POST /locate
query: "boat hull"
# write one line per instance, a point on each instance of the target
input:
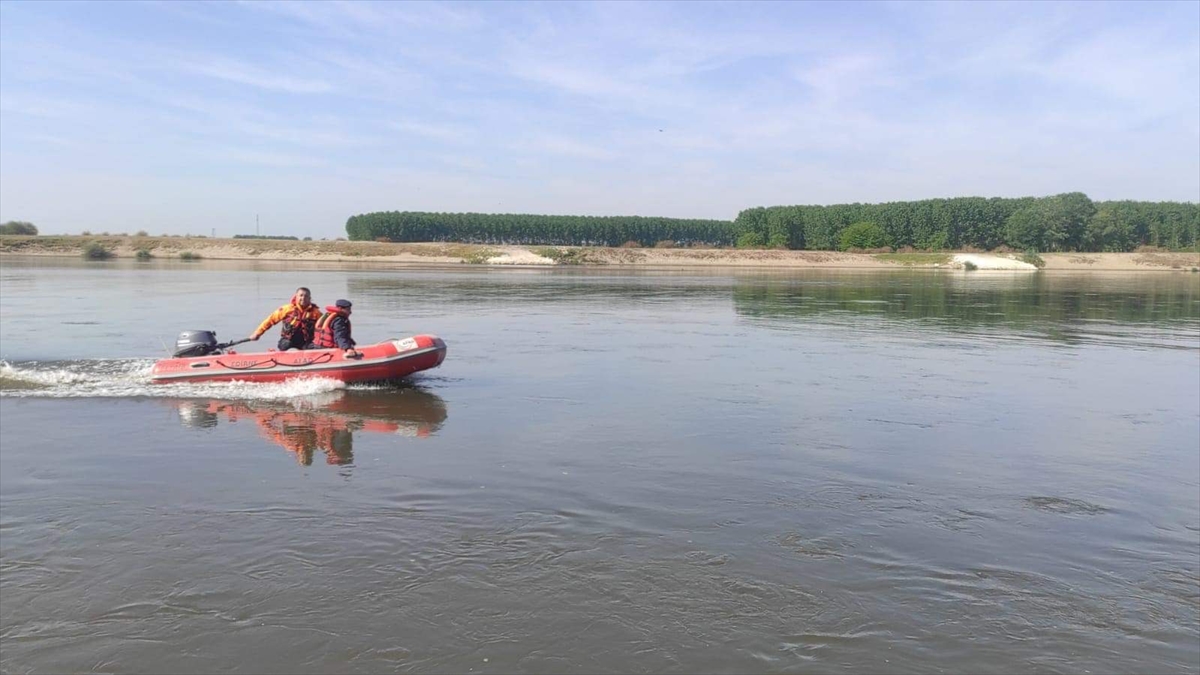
(387, 360)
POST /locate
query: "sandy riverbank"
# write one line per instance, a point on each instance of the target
(454, 254)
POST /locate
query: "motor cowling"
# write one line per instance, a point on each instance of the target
(195, 343)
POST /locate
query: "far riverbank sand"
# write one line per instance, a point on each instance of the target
(452, 254)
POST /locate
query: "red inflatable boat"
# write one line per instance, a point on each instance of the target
(198, 358)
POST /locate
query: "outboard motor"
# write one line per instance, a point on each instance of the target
(195, 343)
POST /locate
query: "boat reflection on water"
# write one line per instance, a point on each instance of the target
(325, 422)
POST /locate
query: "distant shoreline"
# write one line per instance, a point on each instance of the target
(448, 254)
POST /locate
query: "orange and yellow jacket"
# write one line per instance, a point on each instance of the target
(293, 317)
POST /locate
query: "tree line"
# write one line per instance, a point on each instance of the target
(1066, 222)
(483, 228)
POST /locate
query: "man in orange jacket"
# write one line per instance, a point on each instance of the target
(299, 319)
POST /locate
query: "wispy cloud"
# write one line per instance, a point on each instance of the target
(260, 158)
(449, 133)
(563, 146)
(241, 73)
(34, 105)
(835, 79)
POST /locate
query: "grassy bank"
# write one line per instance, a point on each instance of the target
(100, 248)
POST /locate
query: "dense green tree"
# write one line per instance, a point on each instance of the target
(1109, 231)
(779, 229)
(750, 228)
(1064, 220)
(18, 227)
(751, 239)
(1023, 229)
(863, 236)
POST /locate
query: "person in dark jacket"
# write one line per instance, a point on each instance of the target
(333, 329)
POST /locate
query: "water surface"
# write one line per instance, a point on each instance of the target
(612, 472)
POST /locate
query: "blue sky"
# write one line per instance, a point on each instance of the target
(180, 118)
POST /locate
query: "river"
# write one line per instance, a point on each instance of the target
(613, 471)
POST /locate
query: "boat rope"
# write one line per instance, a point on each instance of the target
(324, 358)
(252, 366)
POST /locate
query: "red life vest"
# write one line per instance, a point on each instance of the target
(324, 339)
(297, 320)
